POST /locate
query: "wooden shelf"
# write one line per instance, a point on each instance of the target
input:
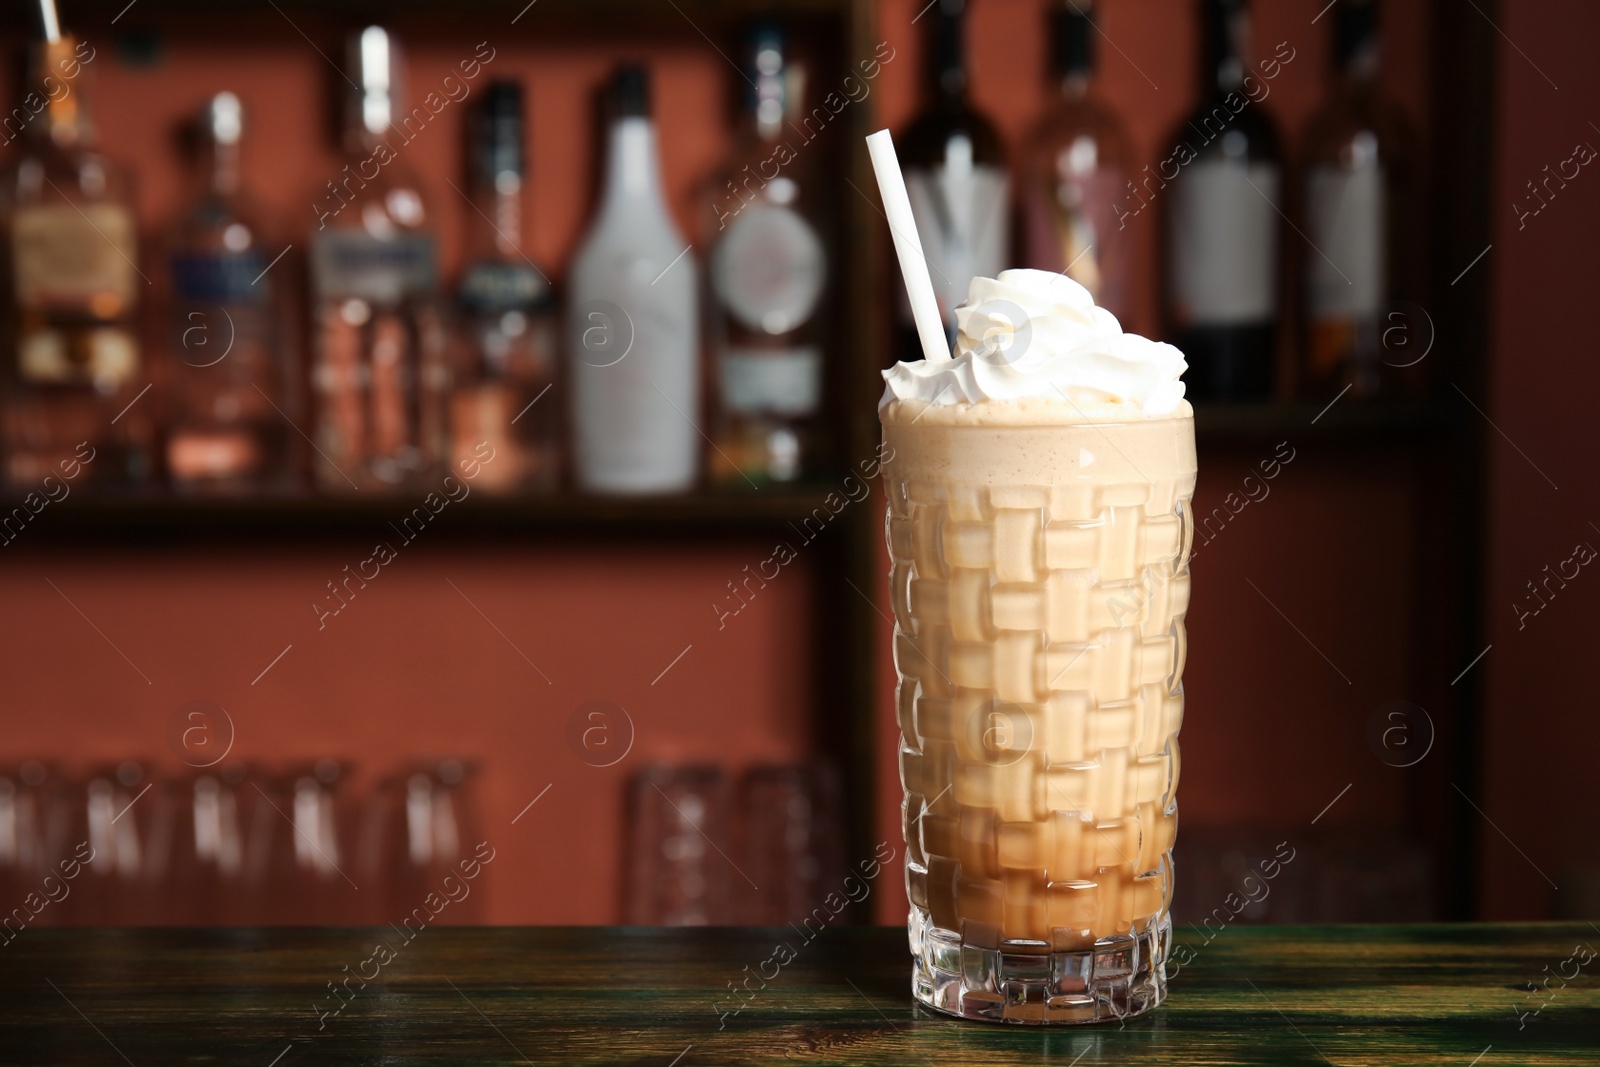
(162, 515)
(1355, 420)
(627, 19)
(160, 518)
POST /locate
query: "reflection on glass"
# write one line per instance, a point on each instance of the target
(678, 866)
(422, 828)
(793, 841)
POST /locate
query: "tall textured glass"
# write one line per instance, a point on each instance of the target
(1039, 582)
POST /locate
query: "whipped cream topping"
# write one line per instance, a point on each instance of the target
(1031, 333)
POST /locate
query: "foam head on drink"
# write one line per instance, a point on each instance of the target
(1039, 488)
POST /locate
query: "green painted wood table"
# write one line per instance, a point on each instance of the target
(1345, 996)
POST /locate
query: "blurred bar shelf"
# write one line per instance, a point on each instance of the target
(162, 515)
(1355, 421)
(642, 17)
(160, 518)
(1443, 434)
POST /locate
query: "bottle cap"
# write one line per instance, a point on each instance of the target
(630, 92)
(51, 56)
(768, 43)
(223, 119)
(49, 22)
(1226, 29)
(497, 143)
(948, 60)
(1072, 37)
(1355, 28)
(375, 70)
(767, 74)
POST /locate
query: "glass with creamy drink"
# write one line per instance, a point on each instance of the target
(1039, 525)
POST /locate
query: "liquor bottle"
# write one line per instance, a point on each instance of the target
(502, 401)
(1223, 224)
(633, 320)
(72, 366)
(227, 376)
(1355, 197)
(956, 178)
(769, 270)
(1078, 169)
(379, 375)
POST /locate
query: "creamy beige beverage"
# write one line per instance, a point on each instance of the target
(1039, 525)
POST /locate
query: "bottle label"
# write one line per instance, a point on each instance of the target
(634, 344)
(219, 278)
(1345, 222)
(1224, 258)
(72, 255)
(196, 455)
(769, 269)
(492, 288)
(353, 263)
(963, 218)
(106, 356)
(772, 381)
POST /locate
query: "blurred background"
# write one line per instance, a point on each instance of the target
(439, 450)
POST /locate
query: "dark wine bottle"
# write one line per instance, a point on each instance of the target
(508, 323)
(956, 177)
(1223, 221)
(1356, 187)
(1078, 165)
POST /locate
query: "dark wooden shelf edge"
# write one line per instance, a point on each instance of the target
(167, 518)
(1352, 419)
(164, 515)
(629, 17)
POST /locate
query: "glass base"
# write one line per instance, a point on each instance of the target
(1028, 983)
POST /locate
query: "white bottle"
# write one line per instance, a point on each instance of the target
(633, 322)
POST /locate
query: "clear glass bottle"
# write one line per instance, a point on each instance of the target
(379, 375)
(1356, 205)
(769, 273)
(73, 285)
(1077, 171)
(956, 177)
(508, 324)
(1223, 223)
(227, 377)
(633, 321)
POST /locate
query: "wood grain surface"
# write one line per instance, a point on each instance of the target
(1345, 996)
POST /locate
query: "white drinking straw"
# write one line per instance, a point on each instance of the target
(913, 265)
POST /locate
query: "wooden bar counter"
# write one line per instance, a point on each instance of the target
(1345, 996)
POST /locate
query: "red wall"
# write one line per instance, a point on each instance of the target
(411, 668)
(1542, 730)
